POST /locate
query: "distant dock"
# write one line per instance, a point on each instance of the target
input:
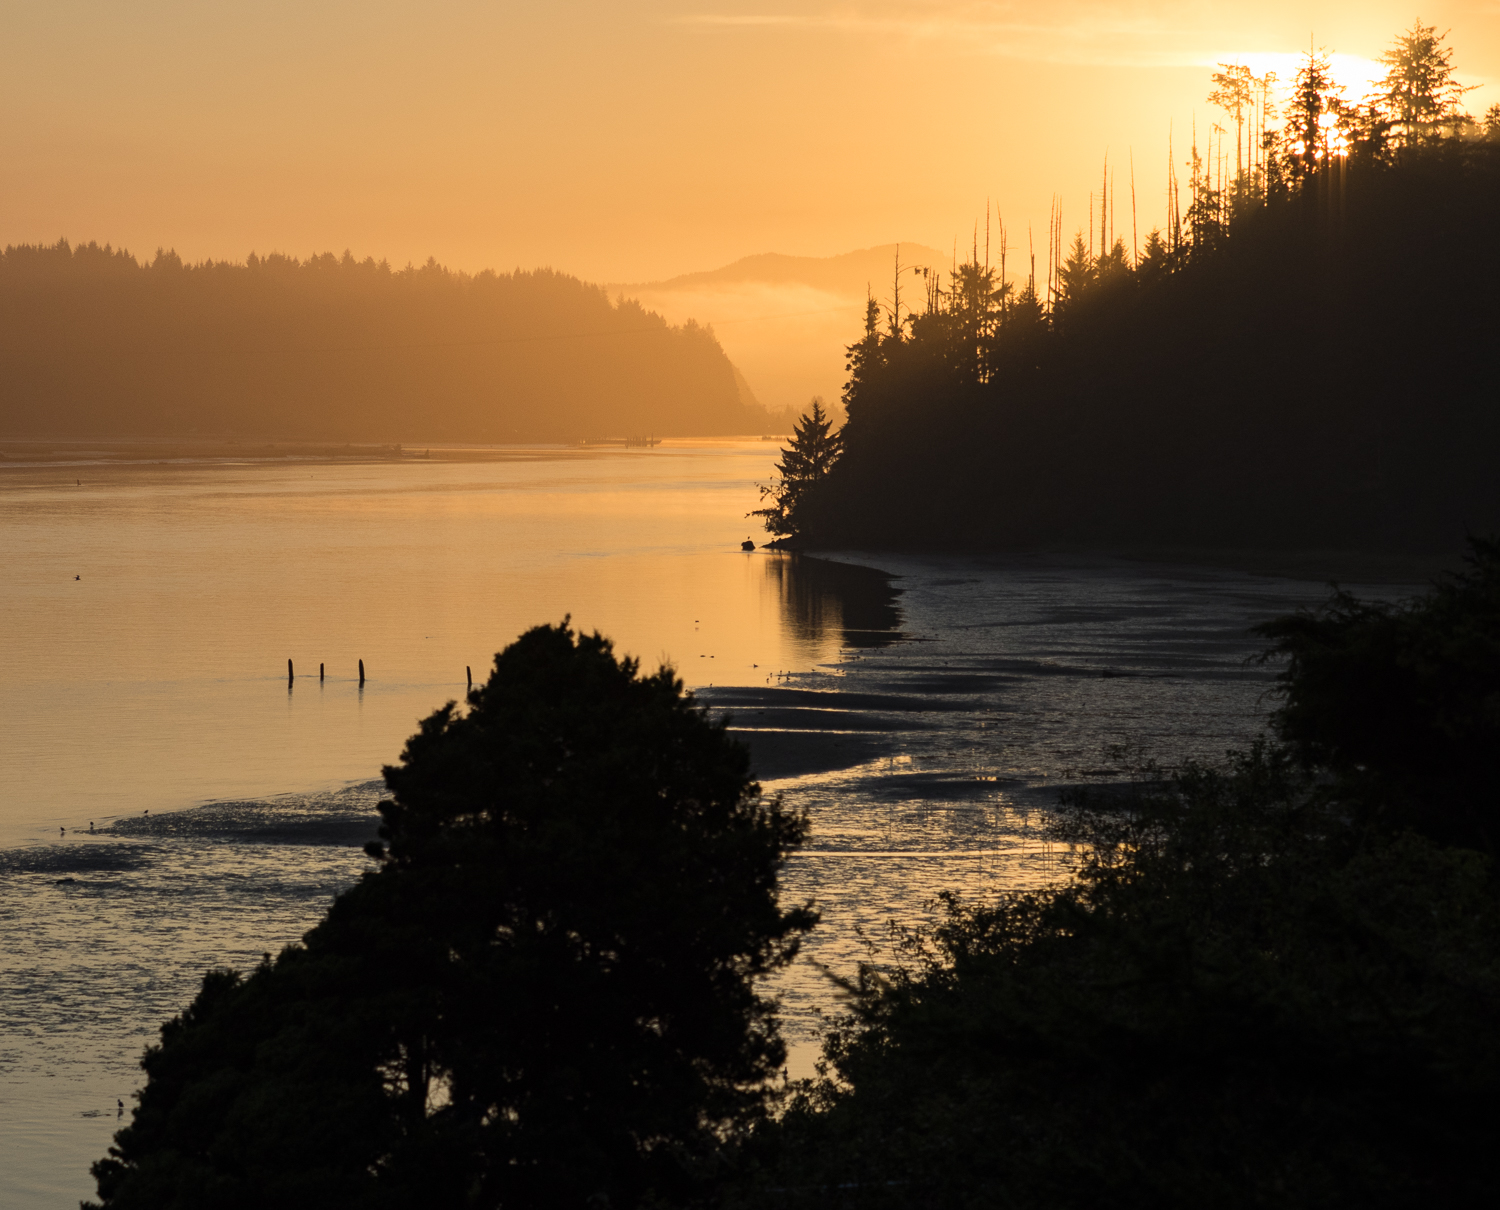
(628, 442)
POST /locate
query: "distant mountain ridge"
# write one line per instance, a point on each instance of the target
(842, 274)
(787, 320)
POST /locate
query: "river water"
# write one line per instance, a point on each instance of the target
(925, 716)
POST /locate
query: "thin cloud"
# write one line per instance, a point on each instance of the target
(1081, 34)
(1084, 33)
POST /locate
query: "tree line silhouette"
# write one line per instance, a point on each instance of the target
(1301, 359)
(96, 343)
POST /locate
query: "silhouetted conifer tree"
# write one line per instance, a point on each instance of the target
(804, 465)
(1317, 119)
(1075, 278)
(1419, 92)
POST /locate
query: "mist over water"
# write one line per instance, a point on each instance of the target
(925, 716)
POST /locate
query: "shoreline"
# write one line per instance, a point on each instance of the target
(1310, 565)
(1374, 568)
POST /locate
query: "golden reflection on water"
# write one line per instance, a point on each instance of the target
(822, 601)
(158, 678)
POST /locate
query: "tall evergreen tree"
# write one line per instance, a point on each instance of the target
(1075, 277)
(1419, 91)
(803, 466)
(1317, 118)
(1234, 94)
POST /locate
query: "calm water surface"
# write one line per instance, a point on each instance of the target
(926, 729)
(149, 613)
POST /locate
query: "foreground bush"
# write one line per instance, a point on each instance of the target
(1242, 1001)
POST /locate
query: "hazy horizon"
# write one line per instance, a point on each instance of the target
(644, 141)
(783, 322)
(627, 142)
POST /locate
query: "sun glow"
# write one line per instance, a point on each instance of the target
(1356, 75)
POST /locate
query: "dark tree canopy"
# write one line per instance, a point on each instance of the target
(543, 996)
(1298, 361)
(1402, 702)
(1238, 1004)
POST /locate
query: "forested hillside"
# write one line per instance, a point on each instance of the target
(1304, 359)
(94, 343)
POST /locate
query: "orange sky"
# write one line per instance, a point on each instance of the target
(623, 141)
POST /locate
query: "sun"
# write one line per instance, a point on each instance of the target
(1357, 75)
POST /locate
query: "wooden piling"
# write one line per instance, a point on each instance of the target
(469, 673)
(289, 670)
(320, 672)
(361, 672)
